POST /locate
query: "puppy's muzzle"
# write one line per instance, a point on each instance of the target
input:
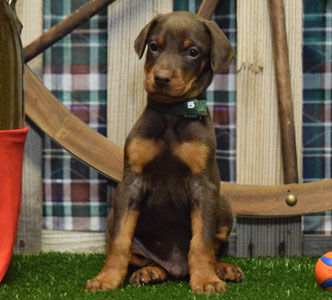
(162, 78)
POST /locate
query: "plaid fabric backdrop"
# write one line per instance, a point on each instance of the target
(75, 72)
(317, 103)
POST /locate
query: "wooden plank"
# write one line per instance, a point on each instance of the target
(126, 95)
(30, 224)
(231, 249)
(316, 244)
(255, 200)
(73, 241)
(313, 244)
(28, 239)
(268, 236)
(259, 159)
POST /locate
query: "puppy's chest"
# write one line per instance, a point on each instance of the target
(167, 154)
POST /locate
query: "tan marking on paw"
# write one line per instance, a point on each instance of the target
(208, 286)
(148, 275)
(103, 282)
(229, 272)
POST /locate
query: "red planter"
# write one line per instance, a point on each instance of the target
(11, 160)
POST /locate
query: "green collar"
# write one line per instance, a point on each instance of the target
(189, 109)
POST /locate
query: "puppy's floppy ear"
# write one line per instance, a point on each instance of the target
(142, 38)
(221, 49)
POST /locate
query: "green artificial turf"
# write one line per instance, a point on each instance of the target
(62, 276)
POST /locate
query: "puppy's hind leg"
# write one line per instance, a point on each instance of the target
(225, 271)
(224, 227)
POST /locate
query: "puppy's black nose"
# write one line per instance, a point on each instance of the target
(162, 78)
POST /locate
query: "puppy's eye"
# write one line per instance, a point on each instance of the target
(153, 47)
(192, 52)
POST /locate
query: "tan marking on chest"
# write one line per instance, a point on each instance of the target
(194, 154)
(141, 151)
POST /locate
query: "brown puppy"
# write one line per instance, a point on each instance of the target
(168, 217)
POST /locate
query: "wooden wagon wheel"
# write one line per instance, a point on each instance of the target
(98, 152)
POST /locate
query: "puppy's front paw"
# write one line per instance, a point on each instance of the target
(148, 275)
(229, 272)
(102, 282)
(206, 286)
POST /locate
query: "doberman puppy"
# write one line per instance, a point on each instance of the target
(168, 217)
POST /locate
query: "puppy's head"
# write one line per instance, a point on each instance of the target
(183, 52)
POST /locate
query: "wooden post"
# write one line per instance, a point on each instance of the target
(30, 226)
(57, 32)
(283, 78)
(207, 8)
